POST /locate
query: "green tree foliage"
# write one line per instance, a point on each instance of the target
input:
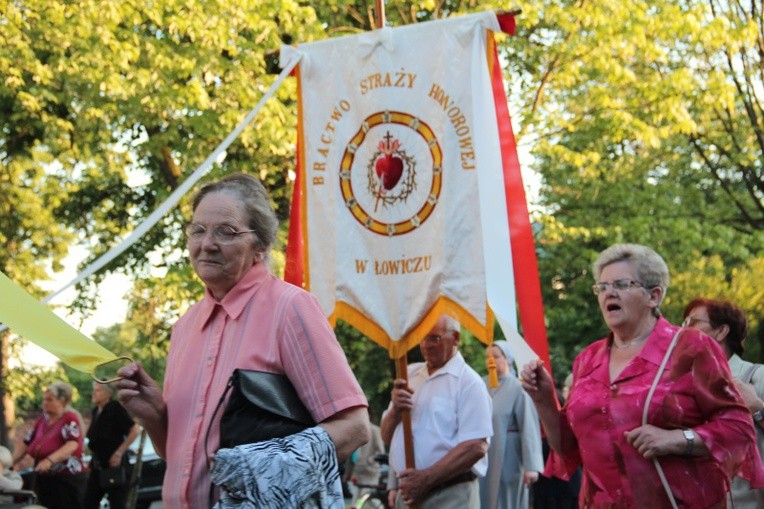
(28, 384)
(107, 107)
(644, 120)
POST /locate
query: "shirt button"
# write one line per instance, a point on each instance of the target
(604, 410)
(613, 387)
(619, 492)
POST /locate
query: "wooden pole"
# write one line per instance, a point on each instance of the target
(401, 363)
(402, 371)
(379, 11)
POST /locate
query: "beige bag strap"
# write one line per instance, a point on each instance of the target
(658, 375)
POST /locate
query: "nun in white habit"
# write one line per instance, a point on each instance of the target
(514, 456)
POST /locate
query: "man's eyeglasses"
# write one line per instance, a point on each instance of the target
(435, 338)
(222, 233)
(618, 284)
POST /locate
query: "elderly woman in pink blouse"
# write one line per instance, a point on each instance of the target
(248, 319)
(653, 416)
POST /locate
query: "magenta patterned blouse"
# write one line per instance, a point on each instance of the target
(44, 439)
(696, 391)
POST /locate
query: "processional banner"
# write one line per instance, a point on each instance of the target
(409, 201)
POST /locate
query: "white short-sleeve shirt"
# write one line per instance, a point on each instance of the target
(450, 406)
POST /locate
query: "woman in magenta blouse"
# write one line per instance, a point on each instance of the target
(55, 443)
(696, 432)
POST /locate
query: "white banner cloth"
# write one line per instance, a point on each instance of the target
(404, 213)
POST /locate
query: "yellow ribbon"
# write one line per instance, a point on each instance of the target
(493, 377)
(29, 318)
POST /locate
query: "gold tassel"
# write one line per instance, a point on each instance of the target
(493, 378)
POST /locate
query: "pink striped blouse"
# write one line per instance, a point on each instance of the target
(262, 323)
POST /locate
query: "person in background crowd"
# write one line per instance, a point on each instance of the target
(55, 444)
(697, 432)
(726, 323)
(9, 480)
(514, 457)
(110, 433)
(451, 425)
(248, 319)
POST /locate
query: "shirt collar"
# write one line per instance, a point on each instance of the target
(235, 299)
(653, 351)
(656, 345)
(453, 367)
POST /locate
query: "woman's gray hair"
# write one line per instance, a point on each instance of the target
(62, 391)
(261, 217)
(651, 269)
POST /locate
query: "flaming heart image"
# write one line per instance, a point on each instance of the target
(389, 167)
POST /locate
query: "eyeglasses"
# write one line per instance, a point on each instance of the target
(618, 284)
(434, 338)
(222, 233)
(692, 321)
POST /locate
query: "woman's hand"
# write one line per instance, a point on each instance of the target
(139, 393)
(44, 466)
(750, 397)
(653, 442)
(115, 459)
(142, 398)
(538, 383)
(530, 477)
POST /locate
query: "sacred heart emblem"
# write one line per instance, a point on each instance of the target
(391, 173)
(389, 169)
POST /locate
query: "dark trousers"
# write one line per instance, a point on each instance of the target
(60, 491)
(94, 493)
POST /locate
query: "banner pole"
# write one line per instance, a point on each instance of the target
(401, 363)
(402, 371)
(379, 10)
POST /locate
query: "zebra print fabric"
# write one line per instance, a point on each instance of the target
(299, 471)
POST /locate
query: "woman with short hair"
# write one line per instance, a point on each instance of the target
(55, 444)
(651, 405)
(727, 325)
(248, 319)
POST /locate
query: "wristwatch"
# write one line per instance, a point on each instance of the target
(690, 437)
(758, 416)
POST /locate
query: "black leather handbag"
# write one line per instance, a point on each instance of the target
(262, 406)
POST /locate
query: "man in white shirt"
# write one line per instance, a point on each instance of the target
(451, 425)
